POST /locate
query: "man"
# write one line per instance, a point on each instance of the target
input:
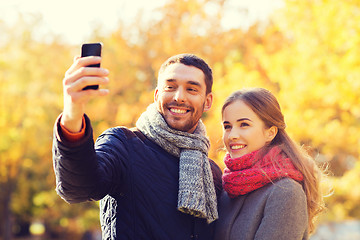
(156, 182)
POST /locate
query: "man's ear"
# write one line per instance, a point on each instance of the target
(208, 102)
(156, 94)
(271, 133)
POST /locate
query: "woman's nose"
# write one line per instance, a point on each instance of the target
(234, 134)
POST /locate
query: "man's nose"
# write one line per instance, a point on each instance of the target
(179, 95)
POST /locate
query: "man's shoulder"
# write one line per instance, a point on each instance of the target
(217, 176)
(214, 167)
(123, 132)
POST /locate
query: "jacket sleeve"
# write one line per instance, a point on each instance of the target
(85, 171)
(285, 214)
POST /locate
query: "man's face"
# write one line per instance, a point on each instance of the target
(181, 96)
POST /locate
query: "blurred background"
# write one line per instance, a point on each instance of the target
(306, 52)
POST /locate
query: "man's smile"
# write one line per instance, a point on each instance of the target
(178, 110)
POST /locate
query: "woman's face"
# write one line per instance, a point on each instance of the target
(244, 132)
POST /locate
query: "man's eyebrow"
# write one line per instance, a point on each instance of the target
(188, 82)
(194, 83)
(170, 80)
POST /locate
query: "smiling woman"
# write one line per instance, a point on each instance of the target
(272, 187)
(244, 131)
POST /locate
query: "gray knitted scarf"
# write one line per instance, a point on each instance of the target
(196, 194)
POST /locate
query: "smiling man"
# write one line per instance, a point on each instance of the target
(182, 95)
(155, 182)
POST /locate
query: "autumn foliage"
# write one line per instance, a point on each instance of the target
(307, 55)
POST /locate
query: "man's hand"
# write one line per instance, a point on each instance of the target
(76, 78)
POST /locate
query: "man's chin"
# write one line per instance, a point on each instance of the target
(181, 127)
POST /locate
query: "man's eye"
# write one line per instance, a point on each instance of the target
(169, 87)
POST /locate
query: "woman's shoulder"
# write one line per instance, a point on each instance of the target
(287, 185)
(285, 189)
(288, 192)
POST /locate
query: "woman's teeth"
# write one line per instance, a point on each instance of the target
(236, 147)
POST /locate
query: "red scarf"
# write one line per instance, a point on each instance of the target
(246, 174)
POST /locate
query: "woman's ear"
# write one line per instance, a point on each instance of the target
(271, 133)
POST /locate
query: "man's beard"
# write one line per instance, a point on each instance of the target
(187, 124)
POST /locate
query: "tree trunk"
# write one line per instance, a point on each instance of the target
(7, 219)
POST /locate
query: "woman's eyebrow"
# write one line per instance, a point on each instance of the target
(243, 119)
(238, 120)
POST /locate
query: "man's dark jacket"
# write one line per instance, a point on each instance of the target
(136, 180)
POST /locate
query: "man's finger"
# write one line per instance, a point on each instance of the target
(80, 62)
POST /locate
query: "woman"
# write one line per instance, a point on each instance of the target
(271, 185)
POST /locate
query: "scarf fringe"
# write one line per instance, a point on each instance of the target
(195, 204)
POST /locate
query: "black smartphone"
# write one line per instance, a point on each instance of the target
(91, 49)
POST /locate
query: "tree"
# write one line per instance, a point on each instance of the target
(31, 73)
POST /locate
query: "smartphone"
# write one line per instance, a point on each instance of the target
(91, 49)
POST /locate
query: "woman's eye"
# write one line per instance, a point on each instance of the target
(227, 127)
(244, 124)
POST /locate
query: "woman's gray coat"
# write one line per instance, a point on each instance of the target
(277, 211)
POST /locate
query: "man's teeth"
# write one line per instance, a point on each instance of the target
(176, 110)
(235, 147)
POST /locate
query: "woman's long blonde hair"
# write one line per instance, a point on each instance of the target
(265, 105)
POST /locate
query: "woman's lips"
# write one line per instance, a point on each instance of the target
(237, 146)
